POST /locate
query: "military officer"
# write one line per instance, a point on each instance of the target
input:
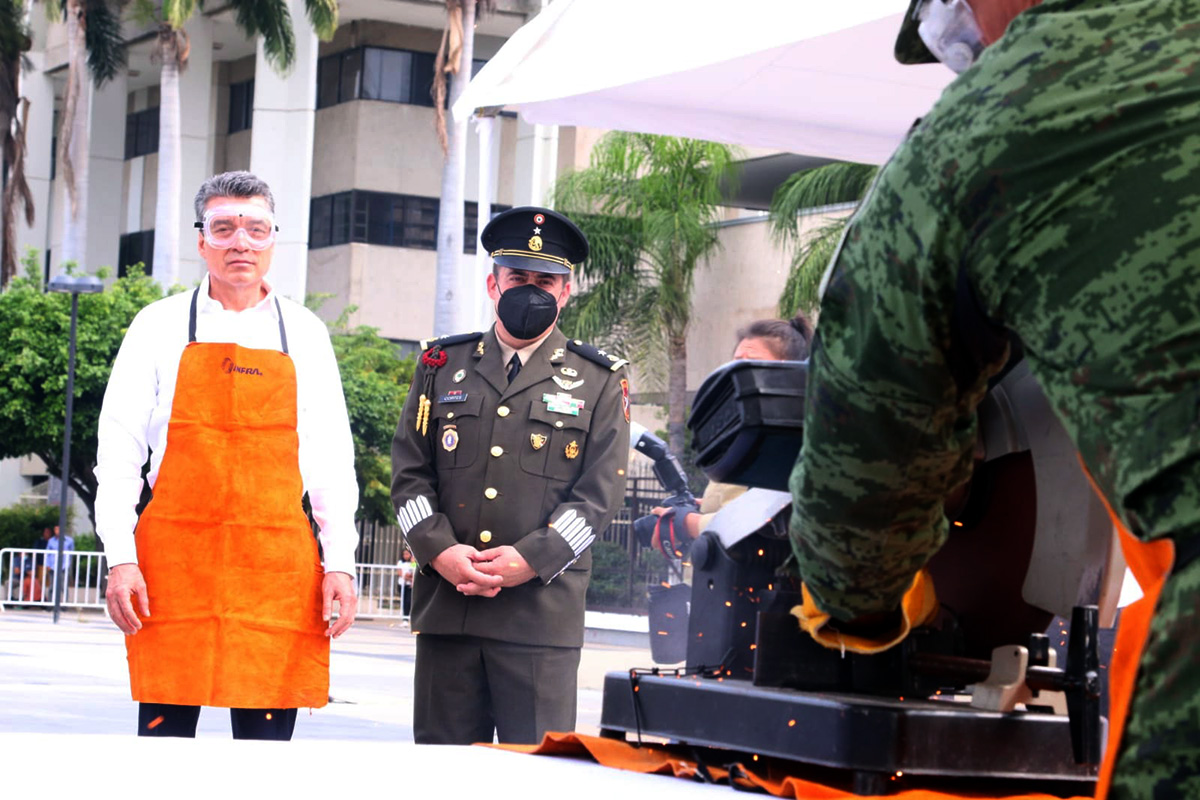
(1050, 195)
(508, 461)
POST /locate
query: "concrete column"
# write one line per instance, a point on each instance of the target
(281, 151)
(536, 163)
(197, 125)
(106, 162)
(39, 136)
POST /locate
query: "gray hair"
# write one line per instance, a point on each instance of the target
(232, 184)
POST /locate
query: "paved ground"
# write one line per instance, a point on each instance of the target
(72, 678)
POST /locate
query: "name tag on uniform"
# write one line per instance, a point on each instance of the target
(562, 403)
(453, 396)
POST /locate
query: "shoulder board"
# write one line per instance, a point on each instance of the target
(595, 355)
(453, 338)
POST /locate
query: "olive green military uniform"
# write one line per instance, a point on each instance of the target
(1052, 192)
(538, 465)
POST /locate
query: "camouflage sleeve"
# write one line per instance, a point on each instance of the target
(888, 429)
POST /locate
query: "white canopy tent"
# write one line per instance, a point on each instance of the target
(811, 77)
(808, 77)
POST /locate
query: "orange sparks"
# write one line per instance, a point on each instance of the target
(791, 723)
(154, 723)
(268, 716)
(753, 646)
(957, 524)
(663, 633)
(760, 552)
(670, 616)
(743, 624)
(728, 604)
(756, 756)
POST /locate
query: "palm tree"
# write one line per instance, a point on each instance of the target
(14, 112)
(94, 46)
(812, 188)
(454, 58)
(647, 204)
(272, 20)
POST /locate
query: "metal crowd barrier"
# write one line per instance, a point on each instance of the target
(27, 578)
(384, 590)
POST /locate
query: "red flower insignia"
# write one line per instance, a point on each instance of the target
(434, 357)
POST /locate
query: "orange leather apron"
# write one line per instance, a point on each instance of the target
(1151, 562)
(230, 562)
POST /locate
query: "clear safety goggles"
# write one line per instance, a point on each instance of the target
(950, 31)
(224, 225)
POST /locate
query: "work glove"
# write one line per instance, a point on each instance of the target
(918, 606)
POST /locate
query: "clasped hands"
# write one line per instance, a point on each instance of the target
(482, 572)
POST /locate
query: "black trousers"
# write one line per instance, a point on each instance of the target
(468, 689)
(162, 719)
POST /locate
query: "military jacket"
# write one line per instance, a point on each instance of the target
(1052, 193)
(538, 465)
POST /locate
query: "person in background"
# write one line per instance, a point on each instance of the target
(763, 340)
(50, 537)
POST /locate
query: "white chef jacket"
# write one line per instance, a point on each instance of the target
(137, 408)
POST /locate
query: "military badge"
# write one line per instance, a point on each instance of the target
(539, 219)
(562, 403)
(535, 243)
(453, 396)
(566, 384)
(572, 450)
(479, 348)
(537, 440)
(569, 372)
(557, 355)
(459, 376)
(450, 438)
(625, 398)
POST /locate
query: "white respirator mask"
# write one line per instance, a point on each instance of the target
(949, 29)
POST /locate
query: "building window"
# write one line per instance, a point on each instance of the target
(471, 223)
(394, 220)
(135, 247)
(241, 106)
(141, 133)
(378, 73)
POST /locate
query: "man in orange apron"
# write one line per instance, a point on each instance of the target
(235, 394)
(1049, 201)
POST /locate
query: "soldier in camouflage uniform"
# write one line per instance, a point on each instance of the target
(1053, 192)
(508, 462)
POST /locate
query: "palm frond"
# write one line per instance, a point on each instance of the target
(14, 30)
(323, 16)
(842, 182)
(272, 20)
(106, 52)
(808, 266)
(176, 12)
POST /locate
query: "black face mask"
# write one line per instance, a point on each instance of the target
(527, 311)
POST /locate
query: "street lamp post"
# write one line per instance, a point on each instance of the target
(75, 285)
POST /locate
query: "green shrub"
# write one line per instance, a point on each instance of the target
(22, 525)
(610, 575)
